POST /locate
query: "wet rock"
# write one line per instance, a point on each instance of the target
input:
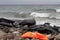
(10, 35)
(57, 37)
(6, 29)
(2, 34)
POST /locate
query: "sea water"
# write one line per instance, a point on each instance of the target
(41, 13)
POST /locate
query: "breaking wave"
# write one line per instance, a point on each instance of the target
(36, 14)
(57, 10)
(46, 15)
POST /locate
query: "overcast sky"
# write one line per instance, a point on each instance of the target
(29, 1)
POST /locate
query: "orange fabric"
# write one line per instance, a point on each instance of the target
(27, 34)
(41, 36)
(34, 35)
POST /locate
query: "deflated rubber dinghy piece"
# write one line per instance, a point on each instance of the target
(17, 23)
(6, 22)
(28, 22)
(34, 35)
(45, 28)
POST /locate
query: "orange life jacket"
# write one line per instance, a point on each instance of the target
(34, 35)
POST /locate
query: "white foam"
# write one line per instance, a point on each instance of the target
(36, 14)
(57, 10)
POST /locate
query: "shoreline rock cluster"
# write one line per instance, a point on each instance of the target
(15, 31)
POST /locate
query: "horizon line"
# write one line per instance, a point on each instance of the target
(29, 4)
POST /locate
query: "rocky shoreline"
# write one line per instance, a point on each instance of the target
(15, 31)
(15, 34)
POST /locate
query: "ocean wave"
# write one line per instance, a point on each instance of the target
(43, 20)
(57, 10)
(45, 15)
(36, 14)
(30, 14)
(48, 10)
(13, 14)
(7, 14)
